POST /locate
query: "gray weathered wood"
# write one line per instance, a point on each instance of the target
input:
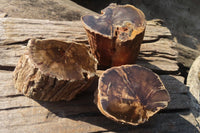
(49, 123)
(186, 55)
(18, 30)
(155, 31)
(177, 97)
(81, 114)
(156, 60)
(159, 65)
(10, 56)
(162, 46)
(15, 30)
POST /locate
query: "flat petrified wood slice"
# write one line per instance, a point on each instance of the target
(54, 70)
(130, 94)
(115, 35)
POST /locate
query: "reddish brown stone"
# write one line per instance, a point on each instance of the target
(115, 35)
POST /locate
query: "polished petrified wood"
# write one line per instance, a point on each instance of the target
(52, 70)
(130, 94)
(115, 35)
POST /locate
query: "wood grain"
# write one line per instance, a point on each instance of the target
(18, 30)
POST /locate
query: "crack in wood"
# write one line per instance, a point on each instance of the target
(12, 96)
(161, 72)
(159, 54)
(23, 42)
(157, 39)
(174, 110)
(151, 55)
(13, 108)
(7, 68)
(84, 114)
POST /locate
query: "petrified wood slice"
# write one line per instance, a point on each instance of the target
(53, 70)
(115, 35)
(130, 94)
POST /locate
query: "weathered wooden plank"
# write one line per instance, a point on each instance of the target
(21, 114)
(156, 58)
(162, 46)
(153, 34)
(186, 55)
(42, 120)
(9, 98)
(2, 15)
(174, 84)
(18, 30)
(160, 59)
(14, 31)
(81, 115)
(7, 84)
(9, 55)
(159, 66)
(178, 102)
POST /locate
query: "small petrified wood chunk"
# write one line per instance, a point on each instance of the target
(115, 35)
(130, 94)
(52, 70)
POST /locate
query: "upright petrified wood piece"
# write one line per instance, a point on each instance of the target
(115, 35)
(52, 70)
(130, 94)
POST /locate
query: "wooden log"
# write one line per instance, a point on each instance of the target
(54, 70)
